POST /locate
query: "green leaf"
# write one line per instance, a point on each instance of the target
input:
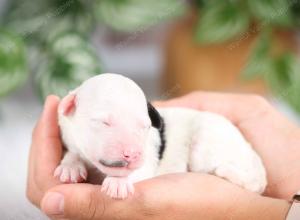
(293, 89)
(26, 17)
(282, 70)
(136, 15)
(259, 62)
(292, 96)
(296, 12)
(284, 80)
(70, 61)
(13, 66)
(38, 20)
(201, 3)
(276, 12)
(220, 22)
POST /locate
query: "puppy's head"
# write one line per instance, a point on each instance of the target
(109, 121)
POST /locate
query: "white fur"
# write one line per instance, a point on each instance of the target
(209, 143)
(195, 141)
(71, 169)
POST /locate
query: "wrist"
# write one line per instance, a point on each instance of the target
(275, 209)
(254, 206)
(266, 208)
(292, 177)
(286, 181)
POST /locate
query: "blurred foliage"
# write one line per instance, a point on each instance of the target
(132, 15)
(259, 61)
(234, 20)
(225, 20)
(67, 53)
(58, 33)
(296, 12)
(276, 12)
(13, 68)
(284, 79)
(220, 22)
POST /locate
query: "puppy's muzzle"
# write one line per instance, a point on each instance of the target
(118, 163)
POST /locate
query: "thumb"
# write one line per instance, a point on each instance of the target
(74, 201)
(85, 201)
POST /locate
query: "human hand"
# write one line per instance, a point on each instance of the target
(175, 196)
(274, 138)
(45, 153)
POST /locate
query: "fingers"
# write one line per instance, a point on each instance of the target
(47, 125)
(48, 147)
(233, 106)
(190, 195)
(45, 153)
(83, 201)
(73, 202)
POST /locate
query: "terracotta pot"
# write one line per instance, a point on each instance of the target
(190, 66)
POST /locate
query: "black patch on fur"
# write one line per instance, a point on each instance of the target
(296, 197)
(162, 140)
(155, 117)
(158, 122)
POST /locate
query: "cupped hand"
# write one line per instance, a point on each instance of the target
(183, 196)
(45, 153)
(175, 196)
(274, 138)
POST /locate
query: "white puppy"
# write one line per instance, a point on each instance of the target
(107, 123)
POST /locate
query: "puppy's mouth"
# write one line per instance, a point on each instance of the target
(114, 164)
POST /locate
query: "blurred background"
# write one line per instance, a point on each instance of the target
(169, 47)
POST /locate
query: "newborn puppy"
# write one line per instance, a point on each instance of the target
(107, 123)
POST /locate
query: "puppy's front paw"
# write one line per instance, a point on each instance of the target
(117, 187)
(71, 173)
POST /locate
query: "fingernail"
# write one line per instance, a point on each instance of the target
(53, 203)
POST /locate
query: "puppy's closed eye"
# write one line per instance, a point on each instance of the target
(104, 119)
(106, 123)
(96, 122)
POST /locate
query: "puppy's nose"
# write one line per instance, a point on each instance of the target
(131, 156)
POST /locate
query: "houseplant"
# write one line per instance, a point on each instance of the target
(235, 39)
(53, 38)
(221, 44)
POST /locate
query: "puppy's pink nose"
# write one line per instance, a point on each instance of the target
(131, 156)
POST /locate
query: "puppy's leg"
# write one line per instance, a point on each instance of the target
(71, 169)
(240, 177)
(122, 187)
(233, 166)
(117, 187)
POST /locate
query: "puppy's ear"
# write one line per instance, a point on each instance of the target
(67, 105)
(155, 117)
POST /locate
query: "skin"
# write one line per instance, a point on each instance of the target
(181, 196)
